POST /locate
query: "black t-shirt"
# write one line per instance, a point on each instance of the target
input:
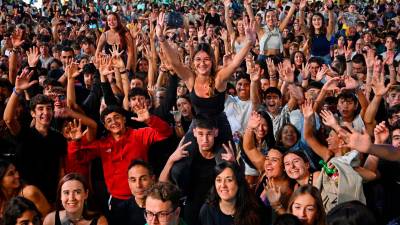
(212, 215)
(390, 179)
(201, 181)
(39, 159)
(132, 213)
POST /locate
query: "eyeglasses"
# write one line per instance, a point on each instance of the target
(161, 216)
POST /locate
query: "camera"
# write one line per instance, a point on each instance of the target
(174, 20)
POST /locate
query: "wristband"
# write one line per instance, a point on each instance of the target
(15, 92)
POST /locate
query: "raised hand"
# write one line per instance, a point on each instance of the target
(296, 93)
(33, 56)
(271, 67)
(303, 4)
(23, 81)
(229, 155)
(250, 30)
(329, 119)
(307, 109)
(142, 113)
(160, 26)
(370, 58)
(381, 133)
(227, 3)
(72, 69)
(273, 192)
(73, 130)
(180, 151)
(224, 34)
(378, 84)
(332, 84)
(305, 71)
(348, 51)
(254, 120)
(116, 60)
(350, 83)
(105, 65)
(389, 58)
(321, 73)
(355, 140)
(16, 39)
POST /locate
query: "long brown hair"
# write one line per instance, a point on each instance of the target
(121, 30)
(314, 192)
(205, 47)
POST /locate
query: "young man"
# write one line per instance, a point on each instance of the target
(119, 148)
(162, 205)
(140, 180)
(193, 170)
(41, 148)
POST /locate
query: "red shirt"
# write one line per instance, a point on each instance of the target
(117, 155)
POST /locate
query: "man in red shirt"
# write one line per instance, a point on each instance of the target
(119, 148)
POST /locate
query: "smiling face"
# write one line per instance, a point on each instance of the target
(273, 102)
(317, 21)
(115, 123)
(304, 207)
(243, 89)
(202, 63)
(73, 196)
(271, 19)
(226, 185)
(140, 180)
(261, 130)
(295, 166)
(273, 165)
(298, 59)
(43, 114)
(289, 136)
(112, 21)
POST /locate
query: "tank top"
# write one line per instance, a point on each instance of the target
(320, 45)
(58, 221)
(272, 39)
(108, 49)
(208, 107)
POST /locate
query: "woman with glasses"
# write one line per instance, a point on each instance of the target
(231, 201)
(71, 206)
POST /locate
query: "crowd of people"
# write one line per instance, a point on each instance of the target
(200, 112)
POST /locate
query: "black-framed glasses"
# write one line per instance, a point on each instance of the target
(161, 216)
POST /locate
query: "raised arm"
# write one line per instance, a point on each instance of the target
(286, 21)
(255, 72)
(311, 140)
(21, 83)
(224, 74)
(249, 147)
(331, 21)
(172, 55)
(179, 154)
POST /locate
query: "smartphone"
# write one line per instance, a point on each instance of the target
(92, 26)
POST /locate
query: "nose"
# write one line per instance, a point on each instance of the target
(139, 184)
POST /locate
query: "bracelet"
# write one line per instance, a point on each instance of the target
(15, 92)
(121, 72)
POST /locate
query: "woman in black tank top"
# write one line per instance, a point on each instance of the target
(207, 83)
(71, 204)
(297, 167)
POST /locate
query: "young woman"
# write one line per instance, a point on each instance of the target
(207, 84)
(116, 34)
(258, 135)
(306, 204)
(19, 211)
(288, 136)
(231, 201)
(71, 207)
(297, 167)
(11, 186)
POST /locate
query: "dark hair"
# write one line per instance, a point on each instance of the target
(269, 137)
(294, 55)
(246, 206)
(4, 165)
(138, 91)
(111, 109)
(89, 68)
(206, 123)
(359, 59)
(315, 60)
(273, 90)
(314, 192)
(280, 133)
(300, 154)
(351, 213)
(121, 30)
(5, 83)
(350, 95)
(242, 75)
(393, 110)
(322, 31)
(67, 49)
(287, 219)
(205, 47)
(16, 207)
(40, 99)
(165, 191)
(140, 162)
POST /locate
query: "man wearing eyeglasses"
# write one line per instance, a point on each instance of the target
(162, 205)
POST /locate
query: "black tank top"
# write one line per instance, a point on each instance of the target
(58, 221)
(208, 107)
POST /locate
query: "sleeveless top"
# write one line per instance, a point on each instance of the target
(58, 221)
(320, 45)
(208, 107)
(238, 46)
(272, 39)
(108, 49)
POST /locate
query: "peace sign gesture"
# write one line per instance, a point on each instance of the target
(229, 155)
(160, 26)
(180, 151)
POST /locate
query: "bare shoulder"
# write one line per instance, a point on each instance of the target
(49, 219)
(102, 221)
